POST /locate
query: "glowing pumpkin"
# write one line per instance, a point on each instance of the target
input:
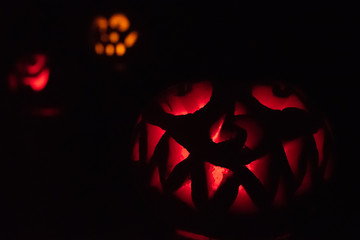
(112, 37)
(32, 71)
(238, 151)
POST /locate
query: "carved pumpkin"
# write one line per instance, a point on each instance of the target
(27, 81)
(241, 150)
(31, 71)
(113, 36)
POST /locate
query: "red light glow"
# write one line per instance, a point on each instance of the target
(264, 94)
(243, 202)
(280, 196)
(184, 193)
(306, 182)
(240, 109)
(154, 133)
(319, 140)
(155, 180)
(293, 151)
(193, 101)
(191, 236)
(38, 83)
(139, 120)
(215, 130)
(30, 71)
(39, 63)
(13, 84)
(215, 177)
(177, 154)
(238, 146)
(136, 156)
(217, 134)
(259, 168)
(47, 112)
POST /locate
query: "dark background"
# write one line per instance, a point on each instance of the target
(68, 177)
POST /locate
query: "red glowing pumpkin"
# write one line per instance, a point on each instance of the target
(31, 71)
(241, 150)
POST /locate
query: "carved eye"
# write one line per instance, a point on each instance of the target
(189, 101)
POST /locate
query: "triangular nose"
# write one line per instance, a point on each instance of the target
(223, 130)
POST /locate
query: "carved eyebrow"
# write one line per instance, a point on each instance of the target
(119, 21)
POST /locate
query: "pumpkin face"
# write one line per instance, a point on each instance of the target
(113, 36)
(240, 149)
(30, 71)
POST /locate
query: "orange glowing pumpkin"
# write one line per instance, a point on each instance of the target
(112, 37)
(240, 150)
(31, 71)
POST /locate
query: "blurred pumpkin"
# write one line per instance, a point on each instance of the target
(113, 36)
(28, 83)
(32, 71)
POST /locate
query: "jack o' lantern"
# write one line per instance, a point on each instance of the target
(240, 150)
(27, 81)
(31, 71)
(113, 37)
